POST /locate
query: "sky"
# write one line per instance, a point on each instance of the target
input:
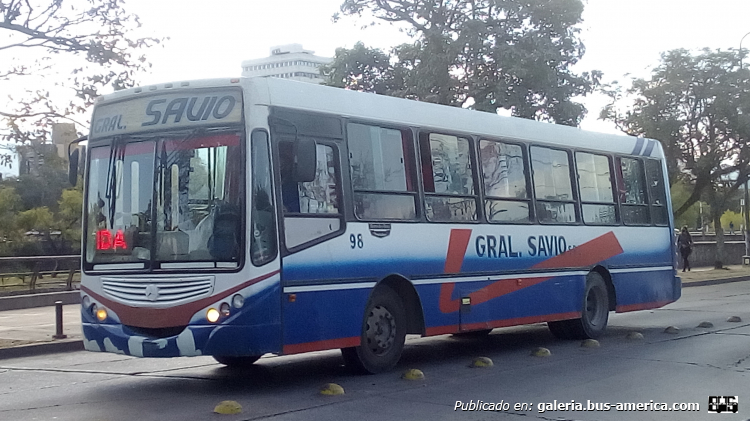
(210, 39)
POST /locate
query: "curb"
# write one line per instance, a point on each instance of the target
(31, 350)
(42, 299)
(715, 281)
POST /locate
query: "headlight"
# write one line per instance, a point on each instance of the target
(238, 301)
(101, 314)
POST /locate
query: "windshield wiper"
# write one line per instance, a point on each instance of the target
(116, 153)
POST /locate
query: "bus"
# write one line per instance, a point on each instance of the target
(240, 217)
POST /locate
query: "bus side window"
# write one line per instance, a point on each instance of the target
(263, 246)
(635, 209)
(381, 163)
(595, 184)
(555, 203)
(448, 176)
(507, 198)
(657, 192)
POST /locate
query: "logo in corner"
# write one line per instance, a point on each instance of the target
(719, 404)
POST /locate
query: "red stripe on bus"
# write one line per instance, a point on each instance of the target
(457, 245)
(521, 321)
(589, 253)
(642, 306)
(170, 316)
(442, 330)
(321, 345)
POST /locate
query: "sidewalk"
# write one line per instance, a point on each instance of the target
(710, 276)
(29, 331)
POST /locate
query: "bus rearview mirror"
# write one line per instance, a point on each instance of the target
(305, 160)
(73, 168)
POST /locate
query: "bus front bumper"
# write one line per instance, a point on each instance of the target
(223, 340)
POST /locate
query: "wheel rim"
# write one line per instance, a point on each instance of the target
(596, 313)
(380, 330)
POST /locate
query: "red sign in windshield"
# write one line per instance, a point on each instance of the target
(106, 241)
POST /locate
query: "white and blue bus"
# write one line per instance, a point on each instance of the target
(240, 217)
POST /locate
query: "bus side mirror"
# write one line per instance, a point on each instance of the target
(73, 168)
(305, 160)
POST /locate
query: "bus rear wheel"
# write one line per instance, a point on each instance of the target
(383, 334)
(237, 362)
(594, 314)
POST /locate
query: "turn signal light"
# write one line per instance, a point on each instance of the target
(224, 309)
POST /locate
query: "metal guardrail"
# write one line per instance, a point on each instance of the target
(36, 269)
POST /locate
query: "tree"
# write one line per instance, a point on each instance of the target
(10, 204)
(698, 106)
(69, 216)
(363, 69)
(486, 54)
(92, 44)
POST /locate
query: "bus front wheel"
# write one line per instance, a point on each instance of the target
(383, 334)
(594, 314)
(237, 362)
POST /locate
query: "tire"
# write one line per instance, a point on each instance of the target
(237, 362)
(595, 311)
(383, 334)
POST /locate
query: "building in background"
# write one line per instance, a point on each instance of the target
(287, 62)
(32, 157)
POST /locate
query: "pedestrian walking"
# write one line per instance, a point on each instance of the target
(685, 246)
(731, 228)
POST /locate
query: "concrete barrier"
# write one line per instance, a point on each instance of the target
(704, 253)
(43, 299)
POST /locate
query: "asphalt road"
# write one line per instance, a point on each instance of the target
(681, 368)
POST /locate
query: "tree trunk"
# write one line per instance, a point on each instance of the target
(719, 261)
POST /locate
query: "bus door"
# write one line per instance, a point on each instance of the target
(312, 224)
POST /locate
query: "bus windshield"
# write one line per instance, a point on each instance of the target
(156, 201)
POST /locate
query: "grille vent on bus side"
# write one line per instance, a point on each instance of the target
(157, 290)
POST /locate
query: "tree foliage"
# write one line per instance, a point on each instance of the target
(698, 106)
(76, 48)
(487, 54)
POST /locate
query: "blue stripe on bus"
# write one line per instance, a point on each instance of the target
(638, 146)
(375, 269)
(649, 148)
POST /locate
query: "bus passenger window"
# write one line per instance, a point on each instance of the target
(504, 179)
(635, 210)
(595, 183)
(382, 166)
(448, 178)
(554, 192)
(657, 192)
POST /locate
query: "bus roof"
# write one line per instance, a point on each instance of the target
(398, 111)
